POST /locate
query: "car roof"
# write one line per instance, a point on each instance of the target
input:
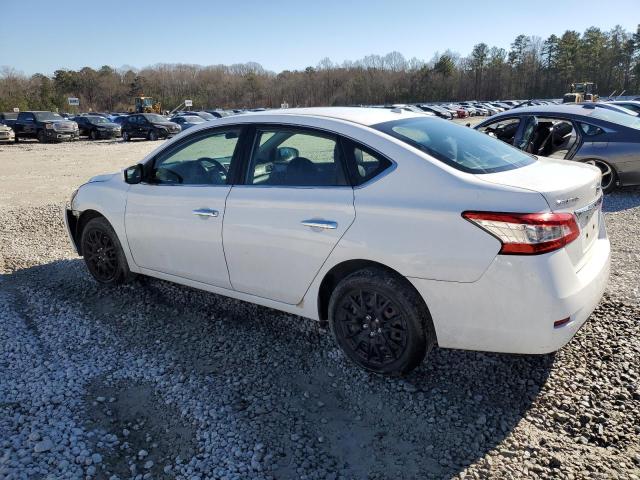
(361, 115)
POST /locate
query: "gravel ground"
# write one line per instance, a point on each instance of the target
(154, 380)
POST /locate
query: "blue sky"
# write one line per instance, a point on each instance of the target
(44, 35)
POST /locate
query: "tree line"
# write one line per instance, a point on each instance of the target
(530, 68)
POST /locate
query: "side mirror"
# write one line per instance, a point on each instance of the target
(468, 124)
(133, 174)
(284, 154)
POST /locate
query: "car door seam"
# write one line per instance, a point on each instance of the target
(355, 214)
(224, 253)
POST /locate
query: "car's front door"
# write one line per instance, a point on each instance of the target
(174, 218)
(294, 206)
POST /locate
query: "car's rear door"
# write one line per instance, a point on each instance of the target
(174, 219)
(294, 206)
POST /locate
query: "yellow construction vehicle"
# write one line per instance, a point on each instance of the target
(581, 92)
(144, 104)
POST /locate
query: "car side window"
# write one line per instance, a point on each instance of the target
(367, 164)
(590, 130)
(204, 159)
(291, 157)
(504, 129)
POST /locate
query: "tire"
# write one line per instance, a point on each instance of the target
(93, 135)
(42, 138)
(391, 346)
(153, 135)
(103, 254)
(125, 136)
(610, 179)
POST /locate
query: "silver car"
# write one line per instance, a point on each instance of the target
(584, 133)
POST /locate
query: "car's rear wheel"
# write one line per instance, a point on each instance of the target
(609, 175)
(125, 136)
(103, 253)
(380, 322)
(153, 135)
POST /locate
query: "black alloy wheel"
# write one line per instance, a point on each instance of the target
(373, 326)
(103, 254)
(381, 322)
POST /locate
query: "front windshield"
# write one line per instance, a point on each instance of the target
(613, 116)
(206, 115)
(40, 116)
(96, 119)
(155, 118)
(460, 147)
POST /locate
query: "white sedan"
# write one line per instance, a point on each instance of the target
(402, 231)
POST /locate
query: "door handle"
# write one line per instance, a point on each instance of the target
(324, 224)
(205, 212)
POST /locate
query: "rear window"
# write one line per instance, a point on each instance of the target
(460, 147)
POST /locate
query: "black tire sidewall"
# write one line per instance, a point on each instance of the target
(418, 320)
(93, 135)
(153, 135)
(100, 223)
(125, 136)
(41, 136)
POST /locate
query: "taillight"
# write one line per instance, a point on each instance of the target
(527, 233)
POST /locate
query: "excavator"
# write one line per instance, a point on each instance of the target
(144, 104)
(581, 92)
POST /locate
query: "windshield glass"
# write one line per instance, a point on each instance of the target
(97, 119)
(206, 115)
(460, 147)
(612, 116)
(47, 116)
(155, 118)
(193, 119)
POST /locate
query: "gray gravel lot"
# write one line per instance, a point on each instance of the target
(154, 380)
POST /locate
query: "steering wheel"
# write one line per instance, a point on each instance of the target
(178, 177)
(217, 167)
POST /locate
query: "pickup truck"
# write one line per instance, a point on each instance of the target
(45, 127)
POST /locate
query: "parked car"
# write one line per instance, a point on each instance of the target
(580, 132)
(205, 115)
(633, 105)
(219, 113)
(6, 133)
(408, 230)
(615, 107)
(119, 119)
(187, 121)
(148, 125)
(96, 127)
(439, 111)
(45, 127)
(8, 118)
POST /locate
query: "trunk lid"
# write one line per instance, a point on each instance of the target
(567, 187)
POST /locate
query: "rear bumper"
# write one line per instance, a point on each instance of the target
(513, 306)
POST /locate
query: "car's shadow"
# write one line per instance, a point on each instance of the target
(284, 384)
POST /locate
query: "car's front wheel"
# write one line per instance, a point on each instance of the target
(41, 136)
(380, 322)
(153, 135)
(93, 135)
(103, 253)
(609, 176)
